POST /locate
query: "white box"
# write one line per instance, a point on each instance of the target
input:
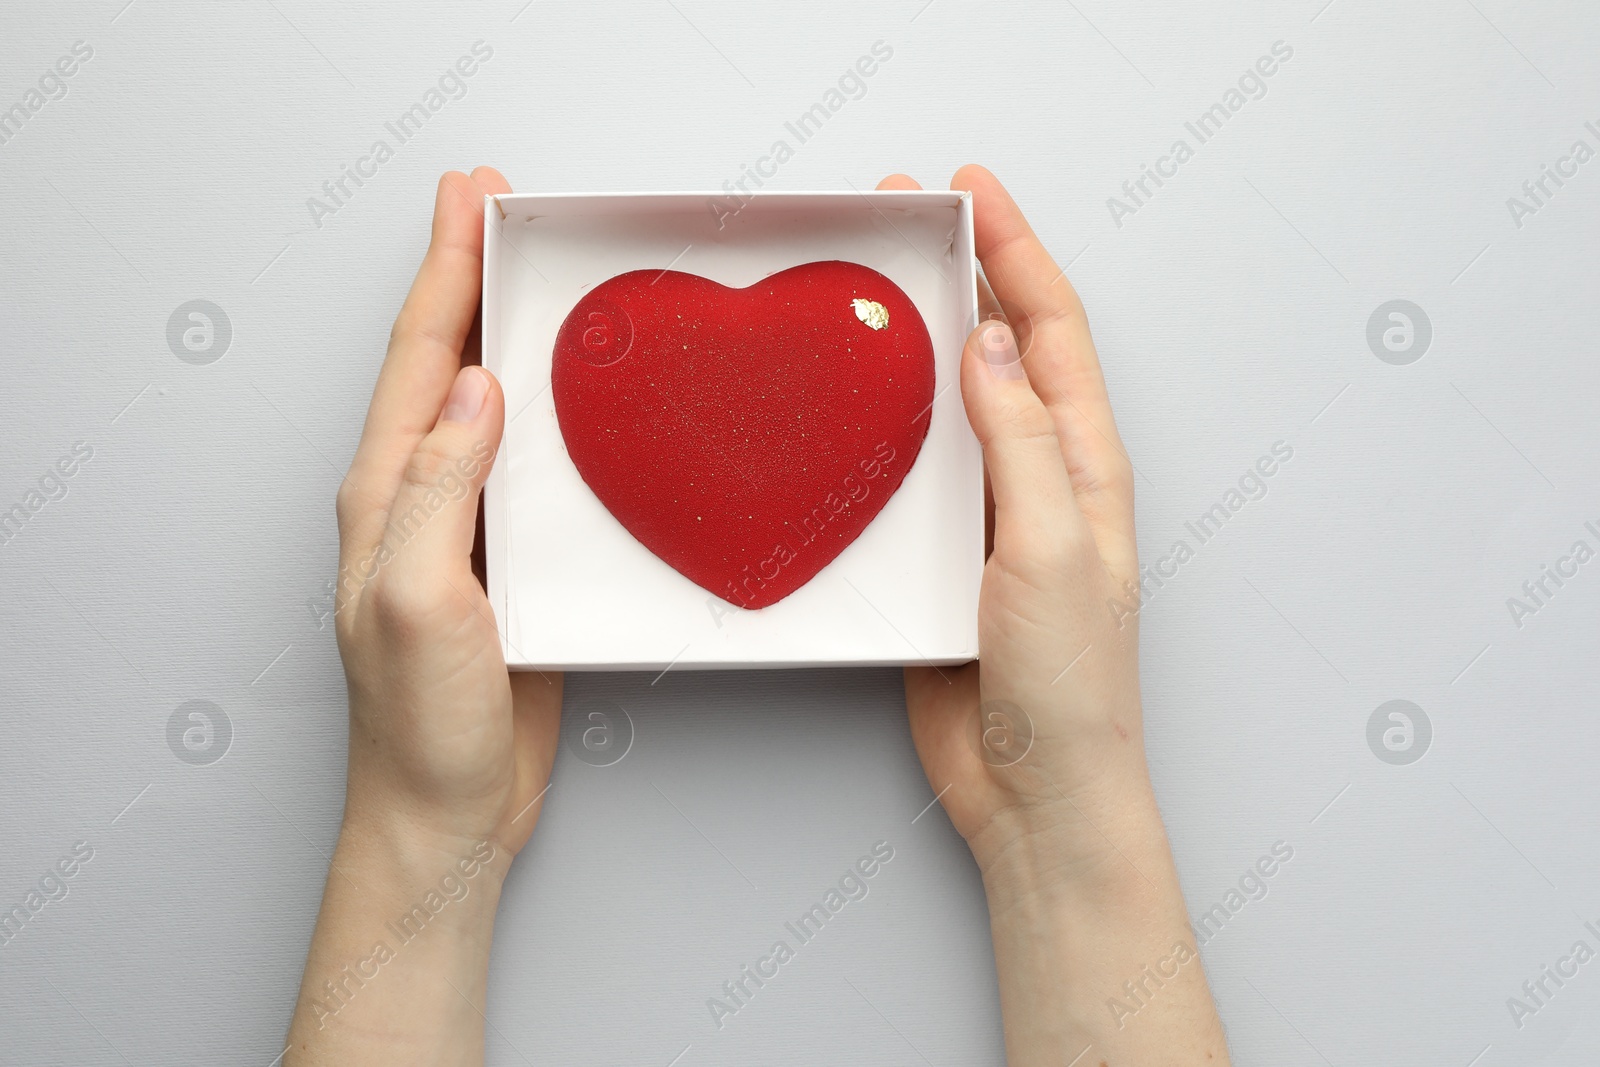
(572, 589)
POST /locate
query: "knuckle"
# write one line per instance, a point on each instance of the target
(1026, 423)
(432, 467)
(353, 510)
(1107, 500)
(1064, 310)
(1114, 478)
(345, 503)
(403, 324)
(1081, 551)
(414, 326)
(401, 610)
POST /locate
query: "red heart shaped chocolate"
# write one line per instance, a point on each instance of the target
(745, 436)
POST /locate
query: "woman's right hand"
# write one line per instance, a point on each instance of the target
(1037, 750)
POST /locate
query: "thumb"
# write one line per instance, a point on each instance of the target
(431, 524)
(1035, 511)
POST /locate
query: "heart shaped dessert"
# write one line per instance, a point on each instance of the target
(745, 436)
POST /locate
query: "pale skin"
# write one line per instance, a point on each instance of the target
(450, 754)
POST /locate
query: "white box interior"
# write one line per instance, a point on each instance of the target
(573, 589)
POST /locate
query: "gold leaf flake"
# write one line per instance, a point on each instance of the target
(872, 313)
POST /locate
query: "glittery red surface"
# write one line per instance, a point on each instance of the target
(745, 436)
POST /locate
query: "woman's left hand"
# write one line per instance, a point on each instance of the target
(449, 753)
(442, 738)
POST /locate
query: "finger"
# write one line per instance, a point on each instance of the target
(987, 307)
(491, 181)
(1059, 357)
(1035, 515)
(535, 726)
(899, 181)
(424, 346)
(430, 527)
(1034, 293)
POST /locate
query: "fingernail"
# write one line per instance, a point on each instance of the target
(466, 396)
(1000, 352)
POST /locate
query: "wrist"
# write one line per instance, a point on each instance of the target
(404, 857)
(1090, 932)
(387, 798)
(1099, 838)
(401, 952)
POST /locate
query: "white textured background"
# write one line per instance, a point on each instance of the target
(1231, 313)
